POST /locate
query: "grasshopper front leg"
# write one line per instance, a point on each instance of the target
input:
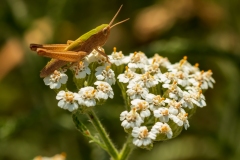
(103, 54)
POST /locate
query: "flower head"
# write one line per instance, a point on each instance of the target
(175, 92)
(187, 100)
(118, 58)
(87, 96)
(104, 73)
(138, 60)
(141, 106)
(147, 79)
(181, 119)
(136, 90)
(155, 101)
(154, 69)
(104, 90)
(202, 79)
(160, 61)
(130, 119)
(55, 79)
(142, 137)
(162, 113)
(81, 68)
(95, 56)
(68, 100)
(174, 106)
(127, 76)
(162, 128)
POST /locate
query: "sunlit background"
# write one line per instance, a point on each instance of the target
(206, 31)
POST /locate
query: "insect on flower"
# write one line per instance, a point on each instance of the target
(74, 51)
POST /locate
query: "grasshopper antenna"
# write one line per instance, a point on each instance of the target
(119, 23)
(115, 17)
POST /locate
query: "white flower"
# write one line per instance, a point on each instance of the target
(181, 119)
(142, 137)
(95, 56)
(141, 106)
(137, 60)
(174, 91)
(154, 70)
(130, 119)
(162, 128)
(87, 96)
(104, 90)
(136, 90)
(202, 79)
(187, 100)
(162, 113)
(81, 69)
(92, 57)
(118, 58)
(55, 79)
(167, 77)
(198, 98)
(104, 73)
(68, 100)
(155, 101)
(183, 66)
(160, 61)
(174, 106)
(127, 76)
(147, 79)
(182, 78)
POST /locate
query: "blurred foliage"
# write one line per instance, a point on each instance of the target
(207, 31)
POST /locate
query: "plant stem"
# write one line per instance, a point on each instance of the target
(84, 130)
(127, 149)
(106, 143)
(102, 132)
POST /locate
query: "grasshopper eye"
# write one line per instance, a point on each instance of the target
(105, 31)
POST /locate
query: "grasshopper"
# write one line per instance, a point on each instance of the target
(74, 51)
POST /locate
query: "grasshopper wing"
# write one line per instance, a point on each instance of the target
(53, 47)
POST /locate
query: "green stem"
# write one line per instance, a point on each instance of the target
(127, 149)
(123, 88)
(102, 132)
(106, 142)
(84, 130)
(79, 125)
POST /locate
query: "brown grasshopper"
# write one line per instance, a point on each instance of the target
(74, 51)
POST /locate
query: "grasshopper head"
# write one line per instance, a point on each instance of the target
(104, 29)
(102, 34)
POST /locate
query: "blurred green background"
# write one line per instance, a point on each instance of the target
(207, 31)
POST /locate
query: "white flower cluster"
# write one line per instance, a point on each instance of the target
(89, 95)
(162, 96)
